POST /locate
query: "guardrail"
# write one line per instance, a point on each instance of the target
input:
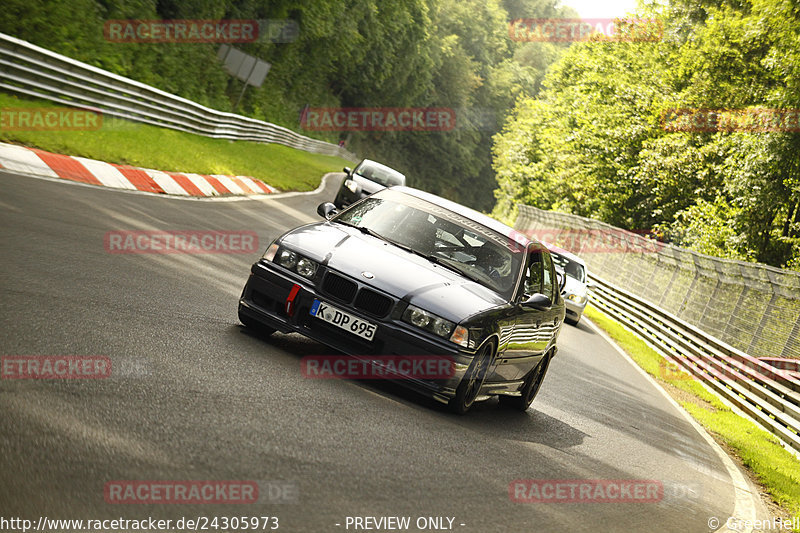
(790, 366)
(754, 308)
(769, 395)
(33, 71)
(682, 302)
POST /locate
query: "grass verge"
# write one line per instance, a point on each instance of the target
(124, 142)
(776, 469)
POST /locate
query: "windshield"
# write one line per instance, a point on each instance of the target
(570, 268)
(380, 175)
(440, 235)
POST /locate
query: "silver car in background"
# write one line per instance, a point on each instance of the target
(576, 287)
(367, 178)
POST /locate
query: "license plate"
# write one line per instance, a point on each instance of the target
(344, 320)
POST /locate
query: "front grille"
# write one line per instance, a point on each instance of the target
(339, 287)
(373, 303)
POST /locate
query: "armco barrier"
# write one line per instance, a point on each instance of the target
(754, 308)
(29, 70)
(769, 395)
(760, 388)
(790, 366)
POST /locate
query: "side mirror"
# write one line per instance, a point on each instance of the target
(591, 285)
(538, 301)
(347, 170)
(326, 210)
(562, 280)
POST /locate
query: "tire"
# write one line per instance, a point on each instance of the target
(572, 322)
(255, 325)
(533, 382)
(473, 379)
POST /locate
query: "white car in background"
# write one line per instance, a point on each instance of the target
(576, 287)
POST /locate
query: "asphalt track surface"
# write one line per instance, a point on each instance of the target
(195, 396)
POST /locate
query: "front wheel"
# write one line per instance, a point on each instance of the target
(533, 382)
(471, 383)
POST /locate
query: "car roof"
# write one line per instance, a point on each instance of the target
(562, 252)
(381, 165)
(466, 212)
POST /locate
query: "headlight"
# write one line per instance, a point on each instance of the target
(352, 185)
(287, 259)
(306, 268)
(418, 317)
(442, 327)
(578, 299)
(292, 261)
(428, 321)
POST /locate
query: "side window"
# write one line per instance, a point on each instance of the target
(548, 276)
(533, 274)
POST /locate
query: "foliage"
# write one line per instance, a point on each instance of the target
(352, 53)
(592, 142)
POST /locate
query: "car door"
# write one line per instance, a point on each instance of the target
(551, 319)
(531, 330)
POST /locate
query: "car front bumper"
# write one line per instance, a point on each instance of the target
(264, 300)
(574, 310)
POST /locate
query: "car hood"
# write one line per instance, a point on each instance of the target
(367, 186)
(573, 286)
(400, 273)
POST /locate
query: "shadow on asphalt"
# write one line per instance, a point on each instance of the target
(583, 326)
(486, 417)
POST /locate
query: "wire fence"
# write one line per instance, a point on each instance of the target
(754, 308)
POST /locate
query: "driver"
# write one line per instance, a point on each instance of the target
(491, 260)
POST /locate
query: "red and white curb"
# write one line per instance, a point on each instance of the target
(40, 163)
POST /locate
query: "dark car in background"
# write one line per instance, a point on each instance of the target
(367, 178)
(405, 273)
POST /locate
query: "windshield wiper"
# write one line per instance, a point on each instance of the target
(441, 261)
(432, 258)
(362, 229)
(368, 231)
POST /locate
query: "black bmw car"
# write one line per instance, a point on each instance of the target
(404, 273)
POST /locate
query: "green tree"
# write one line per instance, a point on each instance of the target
(600, 150)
